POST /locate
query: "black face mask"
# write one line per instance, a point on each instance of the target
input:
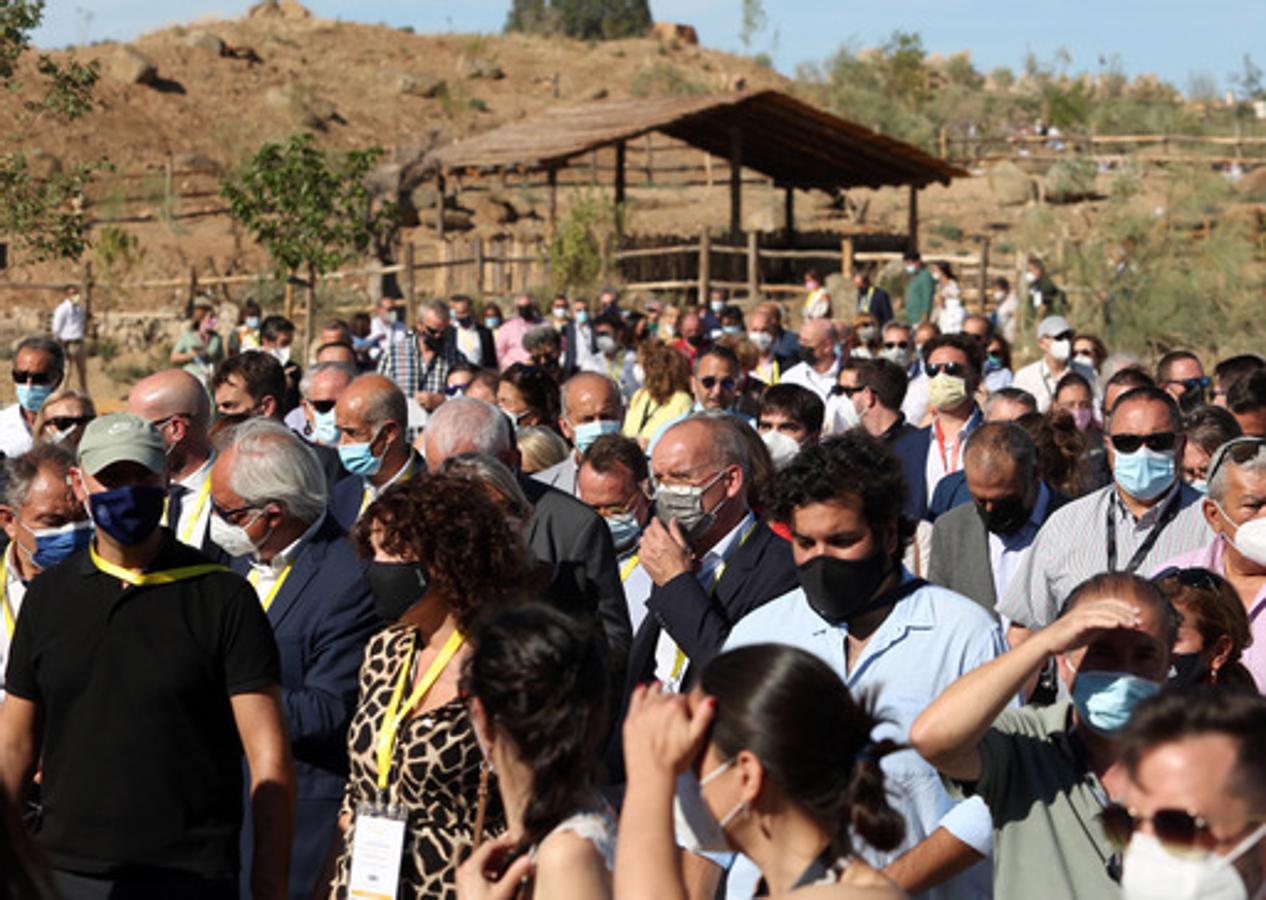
(695, 340)
(434, 342)
(808, 355)
(527, 312)
(1191, 399)
(1008, 515)
(1189, 668)
(396, 587)
(842, 589)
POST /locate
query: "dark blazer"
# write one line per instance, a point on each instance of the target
(910, 446)
(572, 538)
(322, 617)
(331, 465)
(347, 496)
(951, 491)
(960, 558)
(487, 346)
(570, 340)
(880, 306)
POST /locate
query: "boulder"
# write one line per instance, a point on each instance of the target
(279, 9)
(1010, 185)
(130, 66)
(481, 67)
(1069, 180)
(672, 31)
(42, 164)
(455, 220)
(420, 85)
(205, 40)
(490, 208)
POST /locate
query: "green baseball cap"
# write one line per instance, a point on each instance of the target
(121, 437)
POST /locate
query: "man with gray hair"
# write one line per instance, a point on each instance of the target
(591, 407)
(372, 418)
(544, 346)
(38, 367)
(977, 546)
(319, 390)
(269, 496)
(419, 364)
(564, 532)
(1233, 508)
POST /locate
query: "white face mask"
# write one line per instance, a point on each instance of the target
(1030, 277)
(606, 344)
(782, 448)
(1060, 350)
(1153, 873)
(698, 831)
(232, 539)
(1250, 538)
(761, 340)
(1085, 360)
(639, 373)
(281, 354)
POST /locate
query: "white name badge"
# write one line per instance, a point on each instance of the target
(377, 851)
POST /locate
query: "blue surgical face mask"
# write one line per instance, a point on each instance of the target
(1201, 484)
(582, 317)
(52, 545)
(128, 514)
(1144, 474)
(625, 531)
(731, 329)
(324, 430)
(492, 323)
(32, 396)
(359, 459)
(1106, 700)
(588, 432)
(252, 321)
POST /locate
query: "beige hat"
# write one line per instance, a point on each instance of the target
(121, 437)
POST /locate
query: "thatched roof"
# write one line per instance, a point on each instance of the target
(781, 137)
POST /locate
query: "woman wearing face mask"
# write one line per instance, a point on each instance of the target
(199, 349)
(245, 336)
(528, 395)
(536, 687)
(1214, 629)
(63, 417)
(665, 393)
(1207, 428)
(770, 757)
(443, 556)
(1073, 398)
(997, 371)
(948, 310)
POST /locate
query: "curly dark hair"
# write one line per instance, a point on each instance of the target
(852, 464)
(541, 676)
(470, 552)
(538, 389)
(792, 711)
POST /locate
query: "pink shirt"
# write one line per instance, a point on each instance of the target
(1211, 557)
(510, 342)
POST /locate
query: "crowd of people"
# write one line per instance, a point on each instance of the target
(663, 602)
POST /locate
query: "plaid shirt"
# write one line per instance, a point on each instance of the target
(401, 361)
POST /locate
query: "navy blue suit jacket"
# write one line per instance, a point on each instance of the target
(571, 360)
(347, 495)
(322, 617)
(951, 491)
(910, 446)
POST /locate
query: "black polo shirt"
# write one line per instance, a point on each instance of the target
(141, 756)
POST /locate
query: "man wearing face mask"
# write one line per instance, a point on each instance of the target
(45, 524)
(952, 363)
(820, 358)
(1237, 517)
(790, 418)
(1046, 773)
(1146, 516)
(1193, 820)
(143, 795)
(872, 300)
(711, 559)
(277, 338)
(762, 332)
(920, 289)
(612, 482)
(589, 408)
(612, 358)
(580, 339)
(371, 417)
(886, 634)
(1055, 338)
(38, 367)
(269, 499)
(510, 334)
(420, 366)
(175, 403)
(320, 387)
(1181, 374)
(976, 547)
(715, 381)
(1047, 299)
(474, 340)
(694, 337)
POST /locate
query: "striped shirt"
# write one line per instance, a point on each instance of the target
(402, 362)
(1073, 545)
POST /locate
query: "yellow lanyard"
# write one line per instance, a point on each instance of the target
(404, 476)
(679, 660)
(629, 565)
(773, 370)
(396, 714)
(204, 493)
(615, 369)
(267, 600)
(142, 579)
(10, 621)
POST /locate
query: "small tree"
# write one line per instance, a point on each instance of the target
(310, 209)
(583, 19)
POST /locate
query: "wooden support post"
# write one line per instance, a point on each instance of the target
(619, 172)
(193, 291)
(650, 160)
(705, 265)
(984, 271)
(309, 310)
(410, 284)
(789, 213)
(85, 295)
(736, 184)
(553, 201)
(479, 266)
(439, 206)
(753, 266)
(912, 224)
(593, 167)
(847, 262)
(169, 207)
(288, 309)
(441, 271)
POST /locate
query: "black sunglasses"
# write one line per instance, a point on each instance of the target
(1175, 828)
(1063, 336)
(61, 423)
(21, 377)
(958, 370)
(322, 406)
(1191, 383)
(896, 345)
(453, 390)
(710, 381)
(1238, 450)
(1160, 441)
(838, 390)
(1191, 577)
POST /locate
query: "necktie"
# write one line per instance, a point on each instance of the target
(175, 498)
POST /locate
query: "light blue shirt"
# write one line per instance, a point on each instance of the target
(928, 641)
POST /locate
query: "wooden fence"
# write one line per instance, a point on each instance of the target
(1246, 151)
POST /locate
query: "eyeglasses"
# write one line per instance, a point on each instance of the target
(1175, 828)
(838, 390)
(322, 406)
(1189, 384)
(1190, 577)
(1063, 336)
(1160, 441)
(454, 390)
(159, 423)
(24, 377)
(957, 370)
(1239, 450)
(896, 345)
(711, 381)
(64, 423)
(232, 515)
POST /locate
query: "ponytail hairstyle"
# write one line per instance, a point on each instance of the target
(793, 712)
(541, 676)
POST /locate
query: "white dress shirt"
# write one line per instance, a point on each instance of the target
(68, 321)
(806, 376)
(14, 592)
(265, 576)
(1008, 551)
(195, 506)
(15, 433)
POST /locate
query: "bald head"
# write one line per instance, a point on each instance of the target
(167, 393)
(372, 400)
(589, 397)
(1000, 446)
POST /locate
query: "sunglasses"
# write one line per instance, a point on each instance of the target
(838, 390)
(1160, 441)
(1189, 384)
(1191, 577)
(21, 377)
(958, 370)
(711, 381)
(896, 345)
(1063, 336)
(63, 423)
(1174, 828)
(454, 390)
(1239, 450)
(322, 406)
